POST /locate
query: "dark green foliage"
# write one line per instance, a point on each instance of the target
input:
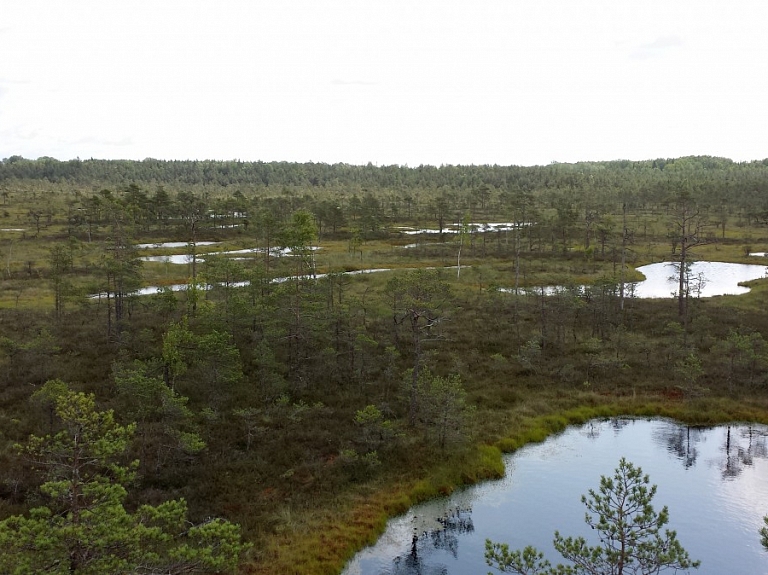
(418, 298)
(267, 403)
(83, 528)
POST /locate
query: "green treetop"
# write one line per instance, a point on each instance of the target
(83, 527)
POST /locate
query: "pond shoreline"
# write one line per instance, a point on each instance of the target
(329, 538)
(706, 475)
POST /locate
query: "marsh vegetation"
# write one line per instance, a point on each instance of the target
(306, 403)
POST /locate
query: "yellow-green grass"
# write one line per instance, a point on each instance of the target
(321, 541)
(25, 295)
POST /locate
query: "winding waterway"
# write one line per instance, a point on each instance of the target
(714, 481)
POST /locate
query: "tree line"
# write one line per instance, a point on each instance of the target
(698, 170)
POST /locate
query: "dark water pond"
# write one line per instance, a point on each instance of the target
(714, 481)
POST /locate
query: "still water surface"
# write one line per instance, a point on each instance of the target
(707, 279)
(714, 481)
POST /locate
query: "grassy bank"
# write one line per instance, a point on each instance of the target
(321, 541)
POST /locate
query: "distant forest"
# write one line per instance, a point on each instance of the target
(647, 178)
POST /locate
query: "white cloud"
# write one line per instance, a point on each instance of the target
(658, 48)
(490, 81)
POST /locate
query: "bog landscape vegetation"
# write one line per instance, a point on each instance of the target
(199, 376)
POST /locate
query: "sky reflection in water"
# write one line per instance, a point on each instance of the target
(706, 279)
(719, 278)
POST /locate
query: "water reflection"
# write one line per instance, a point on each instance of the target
(174, 245)
(471, 227)
(681, 441)
(175, 259)
(154, 290)
(706, 279)
(714, 481)
(445, 537)
(712, 279)
(187, 258)
(741, 448)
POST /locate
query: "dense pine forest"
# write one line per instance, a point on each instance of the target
(207, 334)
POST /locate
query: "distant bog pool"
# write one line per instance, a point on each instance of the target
(707, 278)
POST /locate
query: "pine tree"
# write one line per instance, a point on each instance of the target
(84, 528)
(629, 528)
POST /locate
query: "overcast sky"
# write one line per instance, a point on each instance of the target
(390, 82)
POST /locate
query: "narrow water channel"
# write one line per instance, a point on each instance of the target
(714, 481)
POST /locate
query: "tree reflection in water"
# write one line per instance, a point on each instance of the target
(455, 522)
(740, 451)
(593, 429)
(737, 452)
(681, 441)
